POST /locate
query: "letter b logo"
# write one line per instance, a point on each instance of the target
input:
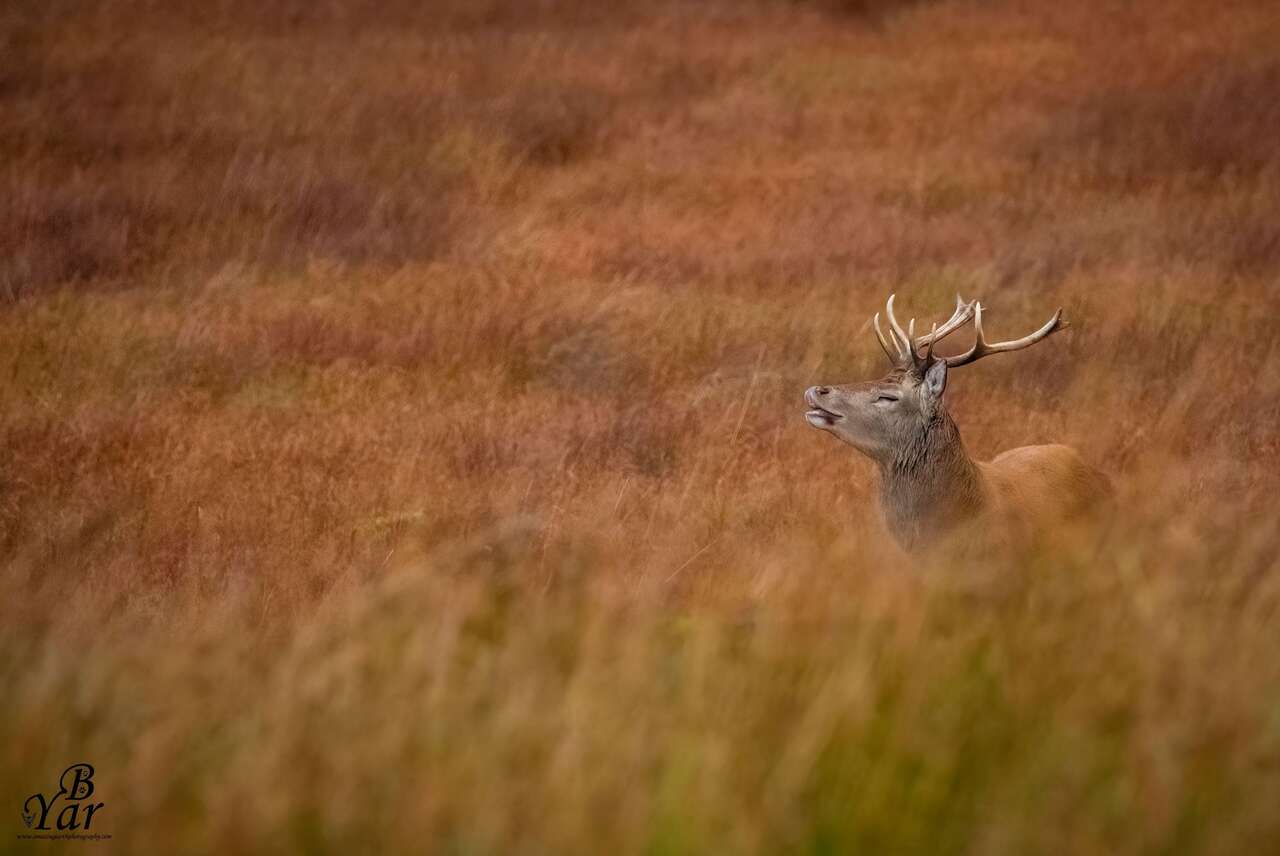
(77, 781)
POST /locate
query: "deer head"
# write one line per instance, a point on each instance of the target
(889, 419)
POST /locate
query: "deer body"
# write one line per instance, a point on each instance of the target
(930, 488)
(1012, 497)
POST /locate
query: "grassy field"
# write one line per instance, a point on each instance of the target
(401, 444)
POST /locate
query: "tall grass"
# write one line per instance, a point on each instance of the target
(400, 438)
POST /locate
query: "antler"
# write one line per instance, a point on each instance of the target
(982, 349)
(906, 347)
(963, 312)
(895, 356)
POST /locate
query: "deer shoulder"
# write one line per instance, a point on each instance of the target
(1036, 487)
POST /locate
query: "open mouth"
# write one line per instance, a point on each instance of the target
(819, 416)
(822, 416)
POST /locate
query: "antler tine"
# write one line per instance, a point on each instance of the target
(982, 349)
(961, 316)
(933, 337)
(916, 362)
(905, 345)
(895, 356)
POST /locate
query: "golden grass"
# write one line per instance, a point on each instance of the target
(402, 445)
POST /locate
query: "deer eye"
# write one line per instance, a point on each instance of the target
(885, 398)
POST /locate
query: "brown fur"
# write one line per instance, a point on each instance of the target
(1031, 490)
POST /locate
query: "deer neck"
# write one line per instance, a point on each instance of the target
(930, 484)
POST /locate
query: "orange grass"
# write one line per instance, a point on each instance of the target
(401, 442)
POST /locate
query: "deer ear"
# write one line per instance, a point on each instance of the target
(935, 379)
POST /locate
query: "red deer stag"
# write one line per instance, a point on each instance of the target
(929, 486)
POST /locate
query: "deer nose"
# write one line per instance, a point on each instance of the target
(822, 390)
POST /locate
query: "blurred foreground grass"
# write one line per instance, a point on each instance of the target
(1111, 697)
